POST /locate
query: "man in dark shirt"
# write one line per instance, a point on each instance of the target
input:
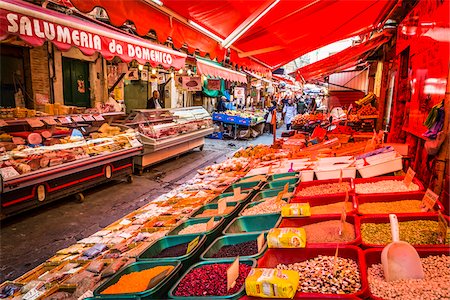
(153, 102)
(221, 104)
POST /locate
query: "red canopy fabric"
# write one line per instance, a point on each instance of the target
(35, 25)
(341, 60)
(289, 30)
(211, 69)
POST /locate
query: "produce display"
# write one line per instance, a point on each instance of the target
(241, 249)
(434, 286)
(328, 232)
(367, 99)
(367, 110)
(401, 206)
(324, 189)
(196, 228)
(263, 152)
(419, 232)
(322, 275)
(215, 212)
(385, 186)
(210, 280)
(174, 251)
(265, 207)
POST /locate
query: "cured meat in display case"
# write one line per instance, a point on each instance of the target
(167, 133)
(43, 159)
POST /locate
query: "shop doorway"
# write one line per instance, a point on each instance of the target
(76, 82)
(12, 76)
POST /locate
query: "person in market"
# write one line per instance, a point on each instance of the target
(153, 102)
(312, 106)
(272, 109)
(221, 104)
(229, 105)
(289, 111)
(301, 106)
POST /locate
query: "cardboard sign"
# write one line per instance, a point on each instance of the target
(442, 229)
(210, 224)
(50, 121)
(3, 123)
(192, 84)
(286, 188)
(192, 244)
(99, 118)
(8, 172)
(237, 192)
(221, 206)
(335, 260)
(280, 196)
(35, 122)
(77, 119)
(260, 241)
(429, 199)
(409, 177)
(88, 118)
(63, 120)
(214, 84)
(232, 274)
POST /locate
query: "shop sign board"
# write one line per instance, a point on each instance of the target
(214, 84)
(239, 93)
(192, 84)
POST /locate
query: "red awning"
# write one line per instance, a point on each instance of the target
(35, 25)
(287, 30)
(340, 61)
(215, 70)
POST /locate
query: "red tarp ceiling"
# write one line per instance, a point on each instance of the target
(341, 60)
(35, 25)
(289, 30)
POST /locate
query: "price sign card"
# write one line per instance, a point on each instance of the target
(409, 177)
(237, 192)
(429, 199)
(286, 188)
(210, 224)
(77, 119)
(35, 122)
(88, 118)
(99, 118)
(232, 274)
(221, 206)
(192, 244)
(63, 120)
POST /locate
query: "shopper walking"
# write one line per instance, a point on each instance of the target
(289, 111)
(270, 111)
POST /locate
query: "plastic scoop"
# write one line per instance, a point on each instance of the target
(291, 169)
(399, 259)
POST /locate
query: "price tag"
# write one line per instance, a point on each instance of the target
(32, 294)
(343, 218)
(210, 224)
(409, 177)
(35, 122)
(280, 196)
(221, 206)
(3, 123)
(77, 119)
(269, 171)
(88, 118)
(50, 121)
(260, 240)
(286, 188)
(135, 143)
(335, 260)
(192, 244)
(237, 192)
(429, 199)
(63, 120)
(8, 172)
(442, 229)
(340, 176)
(99, 118)
(232, 274)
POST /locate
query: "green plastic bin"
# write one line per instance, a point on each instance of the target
(245, 186)
(237, 295)
(224, 195)
(230, 215)
(249, 177)
(252, 224)
(210, 235)
(254, 203)
(271, 193)
(282, 176)
(280, 183)
(228, 240)
(173, 240)
(158, 292)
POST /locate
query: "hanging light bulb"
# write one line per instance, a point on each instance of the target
(189, 72)
(172, 75)
(180, 71)
(140, 67)
(154, 71)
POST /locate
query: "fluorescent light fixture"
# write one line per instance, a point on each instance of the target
(140, 67)
(206, 31)
(154, 71)
(180, 71)
(189, 72)
(233, 37)
(158, 2)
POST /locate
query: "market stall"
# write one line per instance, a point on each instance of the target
(238, 124)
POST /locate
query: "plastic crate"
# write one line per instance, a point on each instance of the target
(224, 195)
(254, 203)
(273, 257)
(381, 168)
(271, 193)
(377, 219)
(300, 222)
(303, 185)
(249, 178)
(159, 291)
(280, 183)
(227, 216)
(324, 173)
(218, 117)
(245, 186)
(174, 240)
(398, 178)
(373, 256)
(252, 224)
(322, 200)
(228, 240)
(282, 176)
(374, 198)
(210, 234)
(241, 292)
(243, 121)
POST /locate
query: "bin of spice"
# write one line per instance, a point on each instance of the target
(208, 280)
(330, 205)
(284, 176)
(174, 247)
(272, 194)
(316, 268)
(420, 230)
(436, 266)
(386, 185)
(393, 204)
(262, 207)
(324, 230)
(229, 197)
(242, 245)
(252, 224)
(132, 281)
(281, 183)
(324, 188)
(211, 210)
(198, 225)
(245, 186)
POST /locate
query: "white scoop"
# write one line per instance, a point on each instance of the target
(400, 260)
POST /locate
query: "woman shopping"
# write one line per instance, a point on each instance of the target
(289, 111)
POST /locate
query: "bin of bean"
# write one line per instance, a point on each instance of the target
(132, 281)
(229, 197)
(198, 225)
(393, 204)
(435, 285)
(272, 194)
(386, 185)
(211, 210)
(324, 188)
(242, 245)
(330, 205)
(208, 280)
(319, 276)
(284, 176)
(252, 224)
(420, 230)
(262, 207)
(280, 183)
(324, 230)
(174, 247)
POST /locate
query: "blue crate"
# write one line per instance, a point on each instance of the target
(243, 121)
(216, 136)
(230, 119)
(218, 117)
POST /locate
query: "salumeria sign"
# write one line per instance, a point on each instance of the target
(35, 25)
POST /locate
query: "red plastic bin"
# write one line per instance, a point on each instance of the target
(300, 222)
(303, 185)
(401, 218)
(273, 257)
(371, 198)
(376, 179)
(316, 201)
(373, 256)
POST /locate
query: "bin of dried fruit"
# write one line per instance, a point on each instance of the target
(208, 280)
(324, 230)
(324, 188)
(263, 207)
(252, 224)
(436, 266)
(319, 278)
(386, 184)
(198, 225)
(418, 230)
(134, 280)
(330, 205)
(393, 204)
(211, 210)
